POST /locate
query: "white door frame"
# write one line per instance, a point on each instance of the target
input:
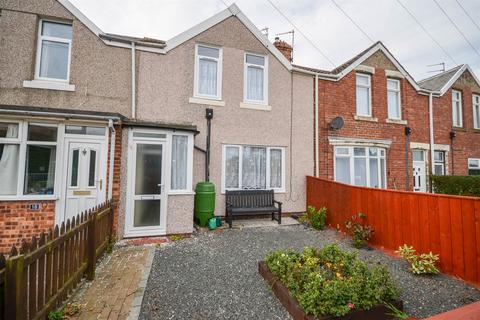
(130, 230)
(68, 138)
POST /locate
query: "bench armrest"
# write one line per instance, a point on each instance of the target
(278, 202)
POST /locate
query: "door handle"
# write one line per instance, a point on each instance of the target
(100, 183)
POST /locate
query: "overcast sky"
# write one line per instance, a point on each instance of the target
(322, 22)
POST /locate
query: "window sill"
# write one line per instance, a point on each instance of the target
(210, 102)
(49, 85)
(181, 193)
(29, 198)
(365, 118)
(476, 130)
(459, 129)
(397, 121)
(254, 106)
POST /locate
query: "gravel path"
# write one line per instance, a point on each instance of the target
(214, 276)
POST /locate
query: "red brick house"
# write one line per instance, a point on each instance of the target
(374, 126)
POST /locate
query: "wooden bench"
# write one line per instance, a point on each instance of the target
(246, 202)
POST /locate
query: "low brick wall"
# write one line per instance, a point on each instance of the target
(18, 221)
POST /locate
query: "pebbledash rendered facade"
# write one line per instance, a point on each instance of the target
(87, 116)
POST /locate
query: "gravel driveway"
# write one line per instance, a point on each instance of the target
(214, 276)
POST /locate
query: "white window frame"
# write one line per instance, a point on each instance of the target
(196, 94)
(41, 38)
(350, 155)
(454, 109)
(265, 78)
(23, 142)
(474, 160)
(369, 87)
(399, 99)
(476, 111)
(240, 159)
(188, 189)
(442, 162)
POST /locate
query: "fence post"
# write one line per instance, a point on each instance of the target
(15, 295)
(91, 245)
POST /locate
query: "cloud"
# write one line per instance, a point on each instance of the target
(321, 21)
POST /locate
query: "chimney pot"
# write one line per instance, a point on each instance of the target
(284, 47)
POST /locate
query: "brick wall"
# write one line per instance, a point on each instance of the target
(116, 172)
(339, 99)
(466, 144)
(18, 222)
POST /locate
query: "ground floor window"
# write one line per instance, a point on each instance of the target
(360, 166)
(439, 165)
(28, 158)
(473, 167)
(253, 167)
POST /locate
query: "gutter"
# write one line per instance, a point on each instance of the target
(133, 82)
(59, 115)
(317, 135)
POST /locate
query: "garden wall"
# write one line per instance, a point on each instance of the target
(443, 224)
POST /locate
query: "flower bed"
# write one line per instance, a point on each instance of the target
(329, 283)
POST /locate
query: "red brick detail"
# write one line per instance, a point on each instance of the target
(18, 222)
(285, 48)
(116, 172)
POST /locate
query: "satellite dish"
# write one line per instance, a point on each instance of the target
(336, 123)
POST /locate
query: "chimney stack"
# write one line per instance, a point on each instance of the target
(285, 48)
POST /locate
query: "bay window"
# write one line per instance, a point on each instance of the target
(457, 108)
(364, 100)
(253, 167)
(53, 51)
(28, 157)
(208, 72)
(473, 167)
(255, 75)
(476, 111)
(393, 99)
(360, 166)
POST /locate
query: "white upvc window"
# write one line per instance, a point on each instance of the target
(28, 159)
(360, 166)
(181, 163)
(364, 95)
(53, 51)
(457, 108)
(208, 72)
(476, 111)
(393, 99)
(253, 167)
(439, 165)
(473, 167)
(255, 79)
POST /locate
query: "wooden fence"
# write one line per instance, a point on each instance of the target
(447, 225)
(38, 276)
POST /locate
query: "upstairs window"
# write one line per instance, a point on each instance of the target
(474, 167)
(393, 97)
(255, 87)
(208, 72)
(53, 51)
(364, 101)
(476, 111)
(457, 108)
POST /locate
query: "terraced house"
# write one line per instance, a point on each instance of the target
(88, 116)
(378, 127)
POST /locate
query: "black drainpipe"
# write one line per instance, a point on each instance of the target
(452, 137)
(408, 131)
(209, 116)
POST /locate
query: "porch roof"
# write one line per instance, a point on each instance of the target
(160, 125)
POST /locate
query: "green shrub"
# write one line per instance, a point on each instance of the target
(56, 315)
(420, 264)
(316, 218)
(457, 185)
(359, 231)
(331, 281)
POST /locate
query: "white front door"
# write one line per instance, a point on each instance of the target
(86, 181)
(146, 196)
(419, 171)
